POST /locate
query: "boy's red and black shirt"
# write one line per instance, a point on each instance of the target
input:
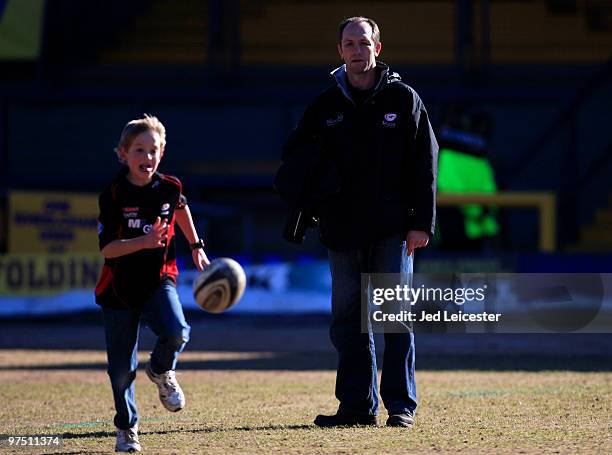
(128, 211)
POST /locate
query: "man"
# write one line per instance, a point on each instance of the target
(363, 159)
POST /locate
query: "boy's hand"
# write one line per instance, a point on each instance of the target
(200, 259)
(158, 235)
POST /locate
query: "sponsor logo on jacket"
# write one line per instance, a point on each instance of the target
(389, 120)
(390, 117)
(335, 120)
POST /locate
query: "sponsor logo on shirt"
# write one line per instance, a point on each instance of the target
(134, 224)
(165, 209)
(130, 212)
(139, 224)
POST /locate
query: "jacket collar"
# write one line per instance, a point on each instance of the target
(339, 74)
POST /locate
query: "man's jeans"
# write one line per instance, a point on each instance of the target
(164, 314)
(356, 379)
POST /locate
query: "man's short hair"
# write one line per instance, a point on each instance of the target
(350, 20)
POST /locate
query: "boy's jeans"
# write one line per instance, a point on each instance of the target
(356, 379)
(164, 314)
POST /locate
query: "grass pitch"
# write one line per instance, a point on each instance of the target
(260, 410)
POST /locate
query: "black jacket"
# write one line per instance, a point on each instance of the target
(369, 170)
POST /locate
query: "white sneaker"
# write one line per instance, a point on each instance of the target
(127, 440)
(170, 392)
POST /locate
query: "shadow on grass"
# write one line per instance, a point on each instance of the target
(327, 361)
(105, 434)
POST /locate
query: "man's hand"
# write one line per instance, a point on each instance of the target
(416, 239)
(200, 259)
(157, 236)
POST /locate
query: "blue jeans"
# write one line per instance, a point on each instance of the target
(356, 378)
(164, 314)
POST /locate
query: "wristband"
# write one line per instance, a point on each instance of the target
(198, 245)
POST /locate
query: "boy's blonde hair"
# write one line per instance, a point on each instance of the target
(137, 126)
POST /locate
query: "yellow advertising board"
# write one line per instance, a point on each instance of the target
(48, 274)
(52, 222)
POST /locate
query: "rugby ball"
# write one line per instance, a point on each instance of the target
(220, 285)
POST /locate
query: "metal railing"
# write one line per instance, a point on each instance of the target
(544, 202)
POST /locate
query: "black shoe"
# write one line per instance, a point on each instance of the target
(404, 419)
(345, 420)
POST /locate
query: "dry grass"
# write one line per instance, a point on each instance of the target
(263, 410)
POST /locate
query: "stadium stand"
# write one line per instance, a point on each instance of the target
(274, 32)
(242, 72)
(533, 32)
(167, 33)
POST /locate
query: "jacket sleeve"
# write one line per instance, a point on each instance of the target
(300, 156)
(306, 132)
(424, 165)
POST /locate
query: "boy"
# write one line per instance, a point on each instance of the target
(136, 226)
